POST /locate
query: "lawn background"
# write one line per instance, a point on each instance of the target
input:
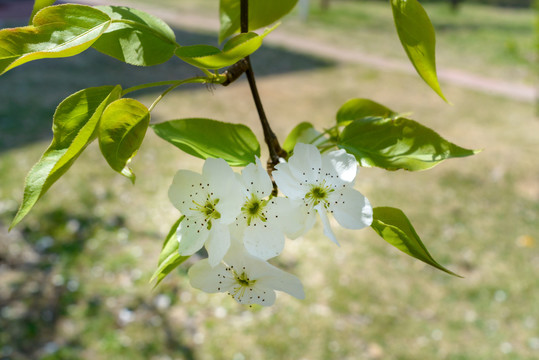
(75, 272)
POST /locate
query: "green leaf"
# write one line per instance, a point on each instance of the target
(416, 34)
(170, 258)
(261, 13)
(136, 37)
(356, 109)
(395, 228)
(205, 138)
(121, 131)
(57, 31)
(210, 57)
(303, 133)
(38, 5)
(398, 143)
(74, 126)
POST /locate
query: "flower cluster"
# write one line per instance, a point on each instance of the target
(242, 225)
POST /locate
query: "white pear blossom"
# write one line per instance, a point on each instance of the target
(264, 220)
(324, 183)
(210, 202)
(248, 279)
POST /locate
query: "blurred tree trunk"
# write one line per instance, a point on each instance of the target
(324, 5)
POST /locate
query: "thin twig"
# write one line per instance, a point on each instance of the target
(274, 147)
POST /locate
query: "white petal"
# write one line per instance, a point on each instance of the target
(236, 230)
(218, 243)
(283, 281)
(266, 275)
(325, 221)
(258, 295)
(185, 189)
(256, 180)
(238, 257)
(352, 210)
(263, 242)
(292, 217)
(225, 187)
(192, 233)
(210, 279)
(306, 163)
(236, 254)
(341, 167)
(287, 183)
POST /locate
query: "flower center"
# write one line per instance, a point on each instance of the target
(253, 209)
(208, 210)
(243, 283)
(318, 194)
(243, 280)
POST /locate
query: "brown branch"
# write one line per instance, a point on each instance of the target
(274, 147)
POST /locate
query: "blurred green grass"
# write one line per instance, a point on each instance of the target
(75, 272)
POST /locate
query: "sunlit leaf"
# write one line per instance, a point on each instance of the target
(356, 109)
(57, 31)
(205, 138)
(170, 258)
(395, 228)
(38, 5)
(210, 57)
(121, 131)
(74, 127)
(261, 13)
(416, 34)
(397, 144)
(303, 133)
(136, 37)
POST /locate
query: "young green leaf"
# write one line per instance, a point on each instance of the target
(303, 133)
(38, 5)
(395, 228)
(74, 127)
(416, 34)
(205, 138)
(261, 13)
(398, 143)
(57, 31)
(210, 57)
(170, 258)
(136, 37)
(356, 109)
(121, 131)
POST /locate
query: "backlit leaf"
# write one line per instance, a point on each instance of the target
(38, 5)
(303, 133)
(121, 131)
(57, 31)
(395, 228)
(398, 143)
(136, 37)
(74, 127)
(356, 109)
(205, 138)
(210, 57)
(261, 13)
(170, 258)
(416, 34)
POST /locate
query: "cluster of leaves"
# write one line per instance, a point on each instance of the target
(374, 134)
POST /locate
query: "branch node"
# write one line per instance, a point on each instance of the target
(235, 71)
